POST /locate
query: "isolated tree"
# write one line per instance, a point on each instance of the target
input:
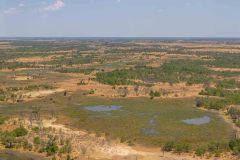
(13, 97)
(52, 113)
(21, 117)
(199, 102)
(125, 91)
(136, 89)
(83, 149)
(35, 115)
(65, 93)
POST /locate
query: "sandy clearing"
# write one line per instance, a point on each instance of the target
(35, 59)
(22, 78)
(222, 50)
(225, 69)
(39, 94)
(18, 69)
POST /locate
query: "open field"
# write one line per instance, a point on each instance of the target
(136, 94)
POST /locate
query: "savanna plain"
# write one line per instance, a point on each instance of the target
(119, 99)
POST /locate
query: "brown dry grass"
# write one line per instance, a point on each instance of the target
(29, 96)
(18, 69)
(33, 59)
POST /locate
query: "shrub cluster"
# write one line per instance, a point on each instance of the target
(213, 148)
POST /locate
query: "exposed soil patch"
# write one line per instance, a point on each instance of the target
(40, 94)
(22, 78)
(35, 59)
(225, 69)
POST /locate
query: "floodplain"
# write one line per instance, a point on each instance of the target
(121, 98)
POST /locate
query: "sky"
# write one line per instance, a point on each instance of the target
(119, 18)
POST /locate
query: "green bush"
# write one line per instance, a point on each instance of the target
(38, 87)
(234, 145)
(229, 84)
(237, 123)
(168, 146)
(213, 92)
(234, 113)
(200, 151)
(36, 140)
(215, 148)
(91, 91)
(36, 129)
(51, 148)
(154, 94)
(19, 132)
(65, 149)
(233, 98)
(85, 71)
(2, 120)
(212, 103)
(182, 148)
(2, 97)
(8, 140)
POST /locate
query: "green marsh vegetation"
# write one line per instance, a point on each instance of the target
(167, 115)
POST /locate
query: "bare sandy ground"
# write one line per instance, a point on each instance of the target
(225, 69)
(22, 78)
(41, 93)
(34, 59)
(18, 69)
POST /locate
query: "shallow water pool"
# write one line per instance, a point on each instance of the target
(150, 132)
(197, 121)
(102, 108)
(150, 129)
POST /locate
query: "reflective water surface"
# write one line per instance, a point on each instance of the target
(102, 108)
(197, 121)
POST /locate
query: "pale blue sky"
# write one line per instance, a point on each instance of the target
(120, 18)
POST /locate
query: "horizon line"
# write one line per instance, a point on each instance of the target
(120, 37)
